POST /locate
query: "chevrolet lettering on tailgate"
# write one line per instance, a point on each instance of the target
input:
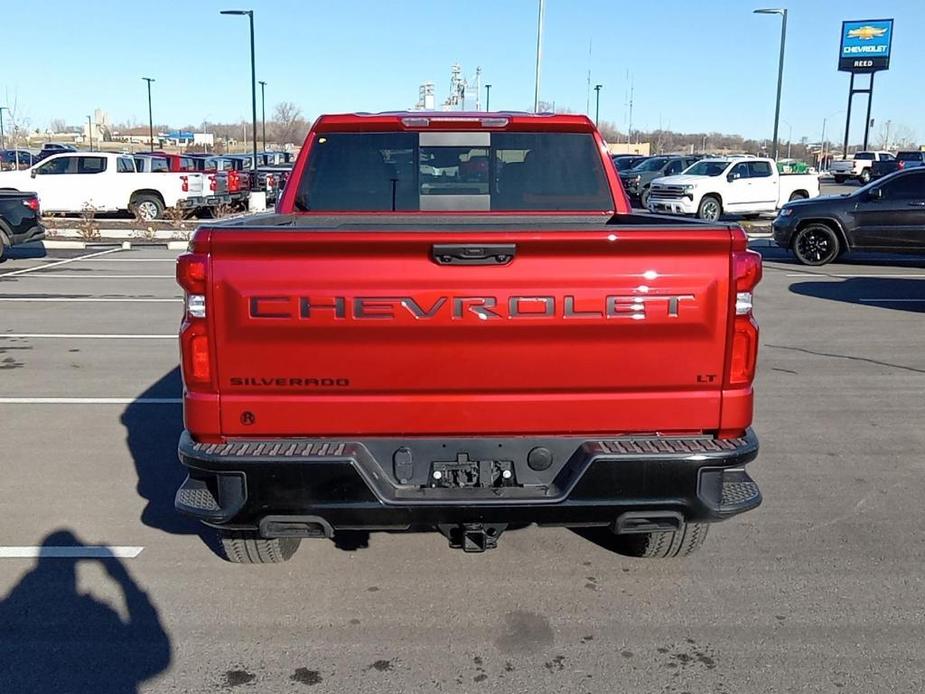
(637, 307)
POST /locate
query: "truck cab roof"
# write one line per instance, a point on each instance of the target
(454, 120)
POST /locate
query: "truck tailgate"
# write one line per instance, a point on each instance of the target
(333, 332)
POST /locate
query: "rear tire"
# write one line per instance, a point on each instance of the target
(798, 195)
(644, 199)
(148, 207)
(666, 544)
(710, 208)
(5, 242)
(839, 179)
(246, 547)
(864, 178)
(816, 244)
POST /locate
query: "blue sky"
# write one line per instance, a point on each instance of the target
(697, 65)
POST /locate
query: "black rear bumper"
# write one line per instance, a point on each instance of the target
(33, 233)
(298, 486)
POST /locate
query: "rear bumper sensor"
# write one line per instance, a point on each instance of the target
(400, 483)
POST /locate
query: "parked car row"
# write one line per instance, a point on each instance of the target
(637, 180)
(69, 181)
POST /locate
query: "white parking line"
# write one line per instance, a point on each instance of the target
(15, 273)
(90, 401)
(79, 276)
(87, 336)
(77, 552)
(892, 301)
(136, 260)
(91, 300)
(843, 275)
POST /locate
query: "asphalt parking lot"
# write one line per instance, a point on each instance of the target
(819, 590)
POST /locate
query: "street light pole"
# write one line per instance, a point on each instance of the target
(250, 16)
(90, 131)
(822, 147)
(780, 69)
(149, 80)
(488, 97)
(539, 59)
(2, 138)
(263, 112)
(597, 102)
(789, 134)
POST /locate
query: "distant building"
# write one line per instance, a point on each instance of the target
(136, 135)
(642, 148)
(185, 138)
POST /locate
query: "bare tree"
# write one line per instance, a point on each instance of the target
(57, 125)
(896, 136)
(288, 124)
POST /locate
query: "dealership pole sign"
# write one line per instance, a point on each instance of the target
(865, 45)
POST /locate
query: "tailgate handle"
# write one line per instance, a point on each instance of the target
(472, 254)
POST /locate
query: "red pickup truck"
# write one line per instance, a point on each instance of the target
(455, 322)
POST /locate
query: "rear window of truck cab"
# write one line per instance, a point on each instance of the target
(453, 171)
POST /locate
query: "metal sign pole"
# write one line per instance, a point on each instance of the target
(870, 99)
(848, 117)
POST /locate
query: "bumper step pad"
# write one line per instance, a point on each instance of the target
(738, 494)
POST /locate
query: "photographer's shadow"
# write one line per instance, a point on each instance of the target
(56, 639)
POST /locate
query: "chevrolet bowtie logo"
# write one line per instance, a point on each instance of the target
(866, 33)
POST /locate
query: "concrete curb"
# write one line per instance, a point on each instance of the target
(61, 245)
(130, 234)
(57, 244)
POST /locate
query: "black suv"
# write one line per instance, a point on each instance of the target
(625, 162)
(637, 180)
(885, 215)
(20, 220)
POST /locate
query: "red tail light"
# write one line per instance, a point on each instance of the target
(902, 164)
(213, 184)
(195, 346)
(184, 183)
(32, 204)
(192, 272)
(744, 356)
(199, 358)
(743, 352)
(233, 181)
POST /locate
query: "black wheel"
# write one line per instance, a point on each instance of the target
(710, 209)
(816, 244)
(798, 195)
(666, 544)
(839, 179)
(147, 207)
(4, 242)
(864, 178)
(644, 199)
(246, 547)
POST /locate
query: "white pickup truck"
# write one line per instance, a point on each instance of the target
(858, 167)
(105, 181)
(737, 185)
